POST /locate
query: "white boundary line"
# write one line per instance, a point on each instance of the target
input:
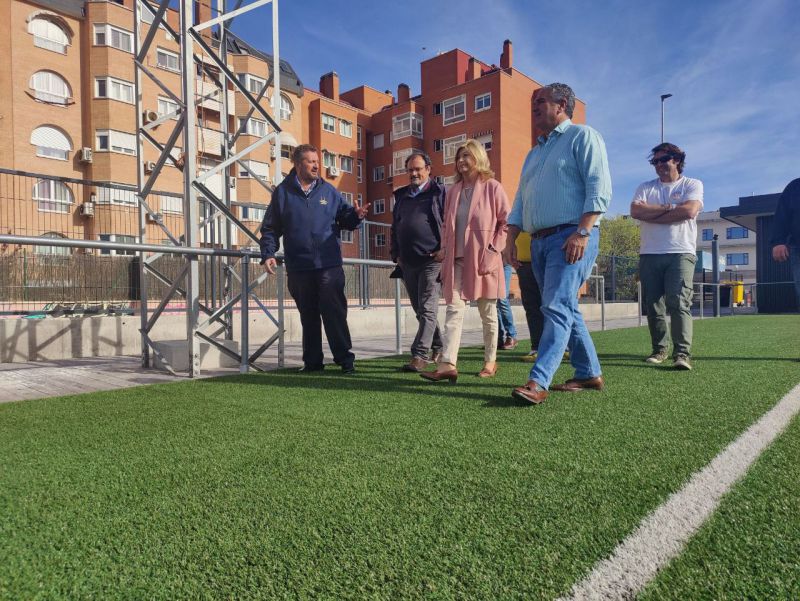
(663, 534)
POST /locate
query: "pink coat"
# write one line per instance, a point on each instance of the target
(485, 238)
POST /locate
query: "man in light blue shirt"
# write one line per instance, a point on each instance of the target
(564, 188)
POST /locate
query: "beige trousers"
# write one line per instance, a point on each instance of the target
(454, 322)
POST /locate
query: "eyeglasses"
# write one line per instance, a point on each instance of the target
(664, 159)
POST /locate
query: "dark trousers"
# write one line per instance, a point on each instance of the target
(531, 302)
(424, 290)
(320, 293)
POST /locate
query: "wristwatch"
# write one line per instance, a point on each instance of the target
(583, 232)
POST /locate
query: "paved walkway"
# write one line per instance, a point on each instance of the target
(40, 379)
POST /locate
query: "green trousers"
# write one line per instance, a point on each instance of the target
(667, 289)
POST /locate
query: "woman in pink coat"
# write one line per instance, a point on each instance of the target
(473, 234)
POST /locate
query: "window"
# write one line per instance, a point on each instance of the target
(346, 164)
(379, 206)
(252, 83)
(737, 259)
(378, 173)
(450, 147)
(286, 108)
(708, 234)
(449, 180)
(108, 35)
(146, 17)
(252, 213)
(121, 239)
(116, 196)
(360, 199)
(260, 169)
(50, 87)
(483, 102)
(486, 141)
(166, 106)
(399, 160)
(437, 108)
(454, 110)
(108, 140)
(328, 123)
(51, 143)
(171, 204)
(48, 34)
(115, 89)
(53, 250)
(377, 141)
(346, 236)
(345, 128)
(359, 133)
(437, 145)
(380, 239)
(286, 151)
(167, 60)
(348, 197)
(254, 127)
(736, 233)
(359, 171)
(328, 159)
(406, 125)
(53, 196)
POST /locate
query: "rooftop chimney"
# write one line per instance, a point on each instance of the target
(506, 58)
(473, 69)
(329, 85)
(403, 93)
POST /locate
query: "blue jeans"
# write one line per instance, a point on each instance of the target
(505, 319)
(563, 323)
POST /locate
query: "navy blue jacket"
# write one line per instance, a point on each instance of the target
(309, 226)
(786, 224)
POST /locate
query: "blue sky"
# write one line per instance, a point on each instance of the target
(732, 66)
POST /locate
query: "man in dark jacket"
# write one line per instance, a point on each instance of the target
(309, 213)
(416, 235)
(786, 231)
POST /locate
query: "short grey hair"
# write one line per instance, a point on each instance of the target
(561, 91)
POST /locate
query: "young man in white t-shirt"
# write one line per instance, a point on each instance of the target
(667, 208)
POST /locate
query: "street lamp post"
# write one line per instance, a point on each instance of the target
(663, 98)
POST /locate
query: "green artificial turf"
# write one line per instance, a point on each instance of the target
(379, 486)
(750, 548)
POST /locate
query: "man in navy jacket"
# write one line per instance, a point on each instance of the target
(786, 231)
(309, 213)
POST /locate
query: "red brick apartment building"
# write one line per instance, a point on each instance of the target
(66, 85)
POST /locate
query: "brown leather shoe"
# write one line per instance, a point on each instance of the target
(530, 393)
(416, 365)
(439, 376)
(488, 373)
(577, 385)
(510, 344)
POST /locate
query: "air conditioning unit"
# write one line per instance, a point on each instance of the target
(273, 152)
(87, 209)
(155, 217)
(149, 166)
(231, 182)
(86, 155)
(333, 171)
(150, 116)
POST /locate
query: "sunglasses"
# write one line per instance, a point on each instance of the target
(664, 159)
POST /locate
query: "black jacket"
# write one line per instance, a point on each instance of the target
(786, 224)
(425, 241)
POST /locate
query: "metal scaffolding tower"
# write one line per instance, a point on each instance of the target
(208, 218)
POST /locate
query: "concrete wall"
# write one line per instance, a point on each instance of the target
(105, 336)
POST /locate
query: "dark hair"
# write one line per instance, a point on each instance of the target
(298, 153)
(561, 91)
(675, 152)
(421, 154)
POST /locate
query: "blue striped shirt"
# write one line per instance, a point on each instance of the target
(564, 176)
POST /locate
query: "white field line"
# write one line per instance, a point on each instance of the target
(663, 534)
